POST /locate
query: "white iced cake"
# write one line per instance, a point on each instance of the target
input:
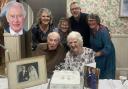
(65, 80)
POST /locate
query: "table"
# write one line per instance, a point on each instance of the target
(103, 84)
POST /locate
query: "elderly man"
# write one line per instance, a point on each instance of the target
(53, 50)
(15, 15)
(78, 22)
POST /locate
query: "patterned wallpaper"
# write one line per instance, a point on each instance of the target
(108, 10)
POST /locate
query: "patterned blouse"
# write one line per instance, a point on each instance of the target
(77, 62)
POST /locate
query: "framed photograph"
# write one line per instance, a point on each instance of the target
(123, 8)
(91, 77)
(27, 72)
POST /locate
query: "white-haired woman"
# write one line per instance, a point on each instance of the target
(78, 56)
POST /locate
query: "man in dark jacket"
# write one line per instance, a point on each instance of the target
(23, 74)
(53, 50)
(78, 22)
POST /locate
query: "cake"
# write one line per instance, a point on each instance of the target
(65, 79)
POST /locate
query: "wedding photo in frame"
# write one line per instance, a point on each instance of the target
(27, 72)
(91, 77)
(123, 8)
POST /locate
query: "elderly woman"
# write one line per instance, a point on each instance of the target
(64, 29)
(78, 56)
(42, 28)
(101, 43)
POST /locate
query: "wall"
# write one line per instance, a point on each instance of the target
(121, 46)
(108, 10)
(57, 7)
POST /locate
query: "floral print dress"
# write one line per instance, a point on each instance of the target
(77, 62)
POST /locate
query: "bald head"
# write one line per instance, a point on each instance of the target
(54, 34)
(53, 40)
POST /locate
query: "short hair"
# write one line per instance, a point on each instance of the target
(53, 34)
(6, 8)
(40, 13)
(76, 35)
(74, 3)
(94, 17)
(63, 19)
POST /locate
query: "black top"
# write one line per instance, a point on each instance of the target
(39, 36)
(82, 27)
(63, 39)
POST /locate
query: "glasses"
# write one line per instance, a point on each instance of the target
(76, 8)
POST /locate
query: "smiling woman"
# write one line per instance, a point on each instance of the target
(42, 28)
(101, 43)
(78, 56)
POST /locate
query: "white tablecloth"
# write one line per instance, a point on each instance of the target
(103, 84)
(112, 84)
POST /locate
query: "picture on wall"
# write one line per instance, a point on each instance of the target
(123, 8)
(27, 72)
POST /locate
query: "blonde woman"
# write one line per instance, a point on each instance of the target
(42, 28)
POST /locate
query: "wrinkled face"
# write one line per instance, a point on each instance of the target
(53, 42)
(16, 18)
(93, 24)
(64, 26)
(45, 18)
(75, 10)
(74, 45)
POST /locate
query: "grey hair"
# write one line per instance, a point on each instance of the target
(76, 35)
(40, 13)
(94, 17)
(10, 4)
(53, 34)
(74, 2)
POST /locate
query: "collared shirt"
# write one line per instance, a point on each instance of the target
(12, 32)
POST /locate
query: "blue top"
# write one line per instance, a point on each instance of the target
(101, 41)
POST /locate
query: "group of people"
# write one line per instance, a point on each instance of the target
(76, 41)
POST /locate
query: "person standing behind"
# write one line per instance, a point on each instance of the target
(15, 15)
(64, 29)
(78, 22)
(101, 43)
(42, 28)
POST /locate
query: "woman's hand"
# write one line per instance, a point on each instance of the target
(99, 53)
